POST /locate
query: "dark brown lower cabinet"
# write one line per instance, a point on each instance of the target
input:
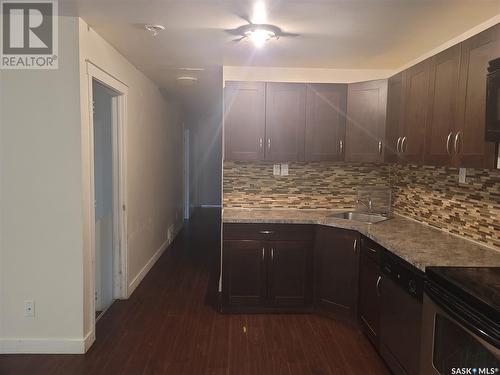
(336, 272)
(245, 272)
(370, 276)
(267, 268)
(289, 273)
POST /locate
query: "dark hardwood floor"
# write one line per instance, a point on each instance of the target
(169, 326)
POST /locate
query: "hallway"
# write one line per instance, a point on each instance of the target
(169, 326)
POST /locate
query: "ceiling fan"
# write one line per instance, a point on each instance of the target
(257, 30)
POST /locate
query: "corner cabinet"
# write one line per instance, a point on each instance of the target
(244, 120)
(267, 267)
(366, 117)
(336, 260)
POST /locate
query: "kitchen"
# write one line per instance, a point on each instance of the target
(376, 203)
(250, 187)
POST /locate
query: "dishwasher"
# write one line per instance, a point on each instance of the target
(401, 292)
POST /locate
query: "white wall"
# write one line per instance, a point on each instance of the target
(206, 148)
(206, 156)
(41, 215)
(154, 173)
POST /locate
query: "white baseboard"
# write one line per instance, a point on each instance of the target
(144, 271)
(88, 341)
(42, 346)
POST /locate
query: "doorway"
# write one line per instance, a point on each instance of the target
(103, 117)
(108, 196)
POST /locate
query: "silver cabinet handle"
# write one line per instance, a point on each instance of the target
(341, 146)
(448, 143)
(456, 143)
(373, 251)
(266, 231)
(268, 143)
(263, 254)
(403, 142)
(397, 145)
(272, 253)
(379, 280)
(260, 143)
(354, 246)
(380, 147)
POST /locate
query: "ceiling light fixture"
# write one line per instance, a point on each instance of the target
(259, 35)
(154, 29)
(187, 80)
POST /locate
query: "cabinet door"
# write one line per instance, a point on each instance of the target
(244, 120)
(415, 108)
(393, 123)
(336, 271)
(471, 148)
(244, 273)
(289, 273)
(442, 106)
(369, 305)
(325, 122)
(285, 121)
(366, 115)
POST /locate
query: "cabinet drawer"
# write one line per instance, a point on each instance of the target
(371, 249)
(268, 232)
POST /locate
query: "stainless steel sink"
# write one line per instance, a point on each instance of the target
(360, 216)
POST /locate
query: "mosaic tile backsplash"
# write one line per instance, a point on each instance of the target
(428, 194)
(434, 196)
(308, 185)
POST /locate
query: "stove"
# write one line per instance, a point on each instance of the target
(461, 320)
(478, 287)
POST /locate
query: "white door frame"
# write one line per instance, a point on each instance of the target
(119, 140)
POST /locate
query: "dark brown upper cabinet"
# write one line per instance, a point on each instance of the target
(442, 107)
(325, 122)
(336, 261)
(285, 121)
(393, 132)
(366, 117)
(469, 145)
(413, 120)
(244, 120)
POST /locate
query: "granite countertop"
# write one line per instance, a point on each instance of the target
(418, 244)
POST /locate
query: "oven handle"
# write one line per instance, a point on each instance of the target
(478, 326)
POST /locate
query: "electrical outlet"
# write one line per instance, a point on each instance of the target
(29, 308)
(284, 169)
(276, 169)
(462, 174)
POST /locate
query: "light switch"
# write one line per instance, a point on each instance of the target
(284, 169)
(276, 169)
(462, 174)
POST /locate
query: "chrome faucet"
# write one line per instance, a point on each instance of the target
(369, 205)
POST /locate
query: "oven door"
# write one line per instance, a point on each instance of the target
(450, 348)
